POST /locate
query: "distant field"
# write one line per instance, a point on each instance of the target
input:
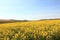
(34, 30)
(11, 21)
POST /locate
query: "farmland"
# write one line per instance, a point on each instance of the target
(34, 30)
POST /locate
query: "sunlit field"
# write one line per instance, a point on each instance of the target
(34, 30)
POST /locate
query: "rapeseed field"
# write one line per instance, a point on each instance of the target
(34, 30)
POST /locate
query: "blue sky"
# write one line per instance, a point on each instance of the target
(29, 9)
